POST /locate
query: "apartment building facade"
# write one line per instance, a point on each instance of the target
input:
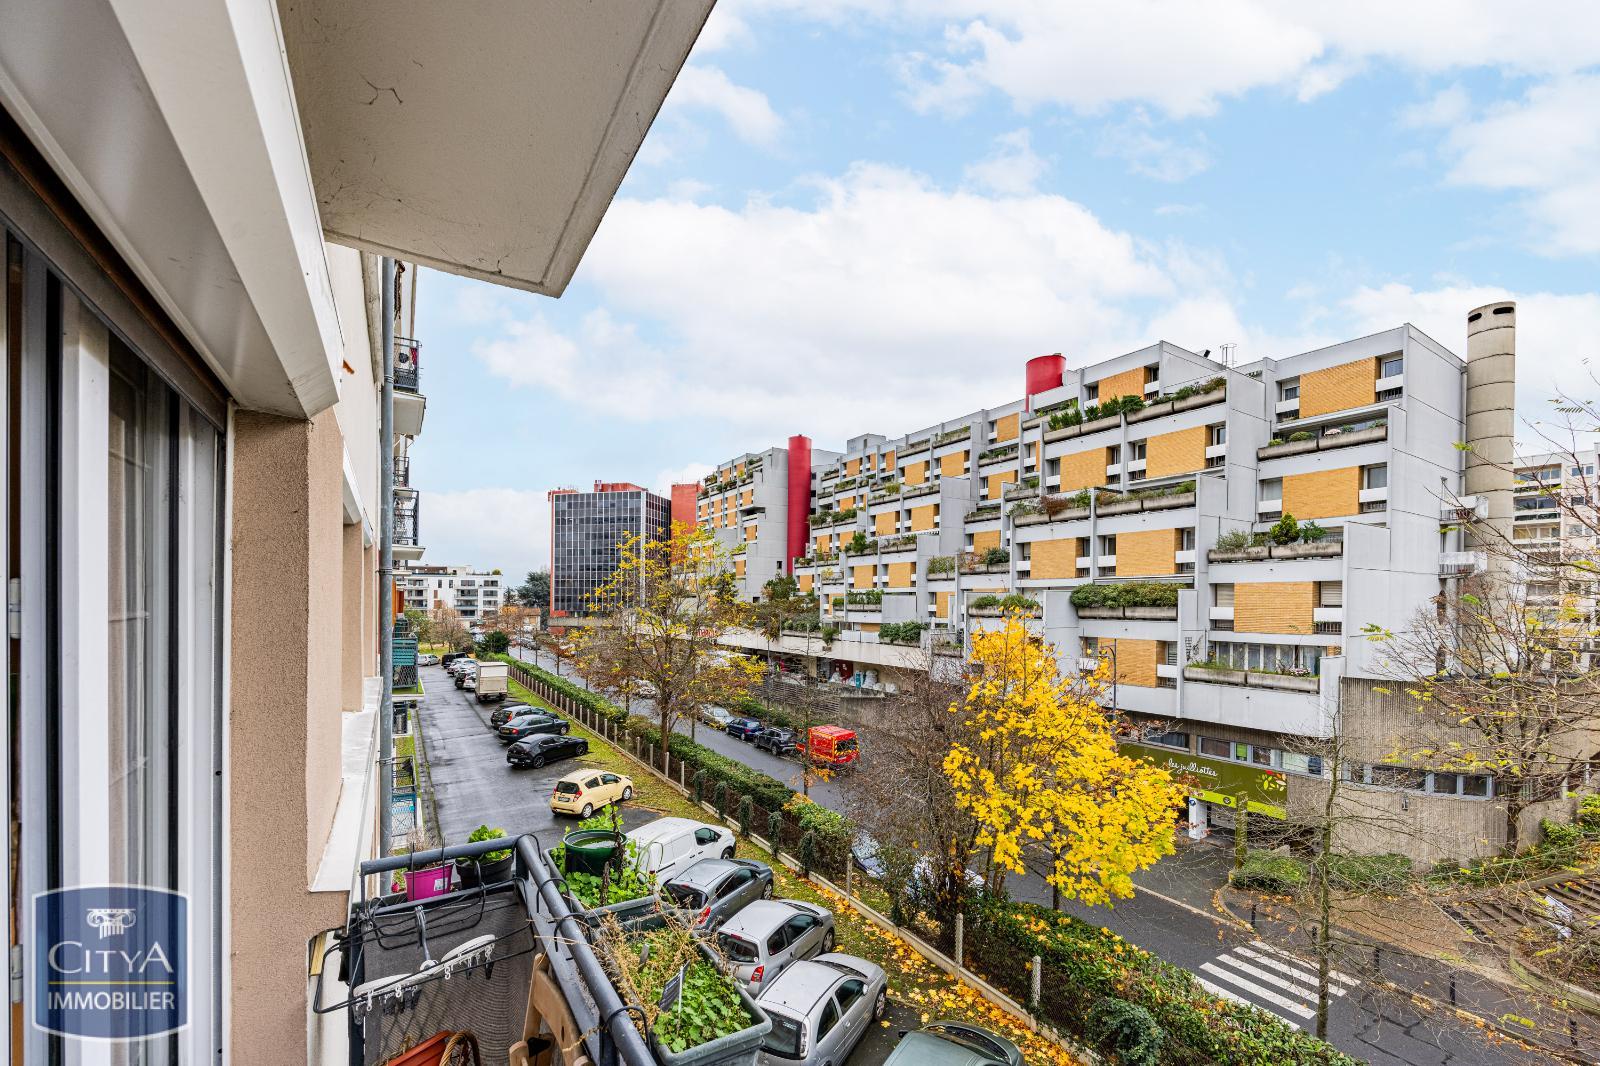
(194, 199)
(470, 592)
(1140, 531)
(587, 530)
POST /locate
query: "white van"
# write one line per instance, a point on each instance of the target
(668, 845)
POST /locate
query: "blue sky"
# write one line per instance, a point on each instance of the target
(865, 215)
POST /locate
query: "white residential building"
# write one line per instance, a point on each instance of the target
(472, 593)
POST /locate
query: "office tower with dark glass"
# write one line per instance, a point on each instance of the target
(585, 531)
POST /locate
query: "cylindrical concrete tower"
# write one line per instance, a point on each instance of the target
(1044, 373)
(799, 531)
(1491, 417)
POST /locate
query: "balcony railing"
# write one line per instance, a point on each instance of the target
(1462, 564)
(402, 471)
(407, 530)
(407, 354)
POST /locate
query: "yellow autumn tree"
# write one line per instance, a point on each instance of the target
(1036, 765)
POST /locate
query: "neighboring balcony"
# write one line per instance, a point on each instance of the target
(407, 529)
(1462, 564)
(409, 403)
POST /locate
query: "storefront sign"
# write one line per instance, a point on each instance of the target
(111, 962)
(1227, 784)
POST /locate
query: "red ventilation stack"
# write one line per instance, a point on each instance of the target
(1045, 373)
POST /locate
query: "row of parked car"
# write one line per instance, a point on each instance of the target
(487, 681)
(829, 745)
(821, 1001)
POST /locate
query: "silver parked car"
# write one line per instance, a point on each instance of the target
(952, 1043)
(709, 892)
(821, 1009)
(768, 935)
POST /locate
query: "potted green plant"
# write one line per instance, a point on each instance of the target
(489, 868)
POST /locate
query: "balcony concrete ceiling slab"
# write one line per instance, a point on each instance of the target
(486, 138)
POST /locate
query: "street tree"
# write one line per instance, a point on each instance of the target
(1500, 686)
(450, 629)
(782, 604)
(534, 590)
(660, 622)
(1036, 761)
(421, 625)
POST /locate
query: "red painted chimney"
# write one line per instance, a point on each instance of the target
(799, 499)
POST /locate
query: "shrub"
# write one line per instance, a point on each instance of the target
(1310, 533)
(996, 557)
(828, 633)
(985, 602)
(1285, 531)
(1128, 594)
(1056, 504)
(1560, 834)
(1300, 435)
(942, 564)
(1274, 442)
(699, 783)
(1282, 875)
(1129, 1031)
(1235, 540)
(1017, 601)
(747, 813)
(901, 632)
(719, 799)
(1589, 813)
(860, 597)
(808, 853)
(775, 831)
(1366, 872)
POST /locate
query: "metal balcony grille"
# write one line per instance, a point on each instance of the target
(402, 471)
(407, 354)
(1330, 628)
(407, 529)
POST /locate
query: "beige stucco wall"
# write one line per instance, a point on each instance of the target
(356, 615)
(284, 716)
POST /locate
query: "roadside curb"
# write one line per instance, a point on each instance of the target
(921, 947)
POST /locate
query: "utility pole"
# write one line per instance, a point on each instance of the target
(386, 567)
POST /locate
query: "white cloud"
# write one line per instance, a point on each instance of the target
(1012, 168)
(1161, 158)
(1546, 146)
(665, 479)
(1179, 209)
(747, 111)
(505, 528)
(1444, 108)
(883, 303)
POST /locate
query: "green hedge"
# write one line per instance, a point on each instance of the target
(1085, 963)
(1369, 871)
(1128, 594)
(1282, 874)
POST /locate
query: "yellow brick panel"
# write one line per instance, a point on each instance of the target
(1339, 388)
(1083, 470)
(998, 483)
(1127, 383)
(1136, 662)
(954, 464)
(916, 473)
(924, 517)
(806, 582)
(852, 467)
(825, 542)
(738, 567)
(1146, 552)
(901, 575)
(1054, 558)
(888, 460)
(1274, 606)
(750, 531)
(983, 541)
(861, 576)
(846, 502)
(1180, 452)
(867, 627)
(941, 604)
(1006, 428)
(1323, 493)
(883, 524)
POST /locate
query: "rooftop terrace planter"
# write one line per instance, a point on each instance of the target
(1351, 438)
(1243, 555)
(1162, 503)
(1290, 447)
(1141, 614)
(998, 612)
(1284, 682)
(1200, 399)
(1116, 506)
(1033, 518)
(914, 491)
(630, 913)
(986, 568)
(1100, 612)
(1153, 411)
(1316, 549)
(1212, 676)
(1252, 679)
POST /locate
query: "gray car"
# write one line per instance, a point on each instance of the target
(707, 893)
(821, 1009)
(951, 1043)
(762, 940)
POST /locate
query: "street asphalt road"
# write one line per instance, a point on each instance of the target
(473, 786)
(1381, 1028)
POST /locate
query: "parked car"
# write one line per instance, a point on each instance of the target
(542, 748)
(466, 673)
(529, 724)
(743, 728)
(716, 717)
(668, 845)
(865, 853)
(778, 740)
(709, 892)
(507, 711)
(769, 935)
(450, 658)
(821, 1009)
(427, 659)
(951, 1043)
(583, 792)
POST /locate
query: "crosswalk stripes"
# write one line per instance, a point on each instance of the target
(1269, 977)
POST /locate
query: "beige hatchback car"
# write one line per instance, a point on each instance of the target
(585, 791)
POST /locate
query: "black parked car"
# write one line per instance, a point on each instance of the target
(529, 724)
(543, 748)
(744, 728)
(777, 740)
(507, 711)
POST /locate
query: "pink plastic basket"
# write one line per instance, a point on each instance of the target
(425, 884)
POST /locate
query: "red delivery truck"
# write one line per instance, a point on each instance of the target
(832, 745)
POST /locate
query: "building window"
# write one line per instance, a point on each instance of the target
(1375, 476)
(1091, 393)
(1108, 544)
(1217, 435)
(1152, 374)
(1289, 390)
(1114, 455)
(1222, 595)
(1299, 763)
(1186, 540)
(1170, 739)
(1217, 749)
(1136, 450)
(1390, 366)
(1270, 489)
(1330, 594)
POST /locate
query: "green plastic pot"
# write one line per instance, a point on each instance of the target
(590, 850)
